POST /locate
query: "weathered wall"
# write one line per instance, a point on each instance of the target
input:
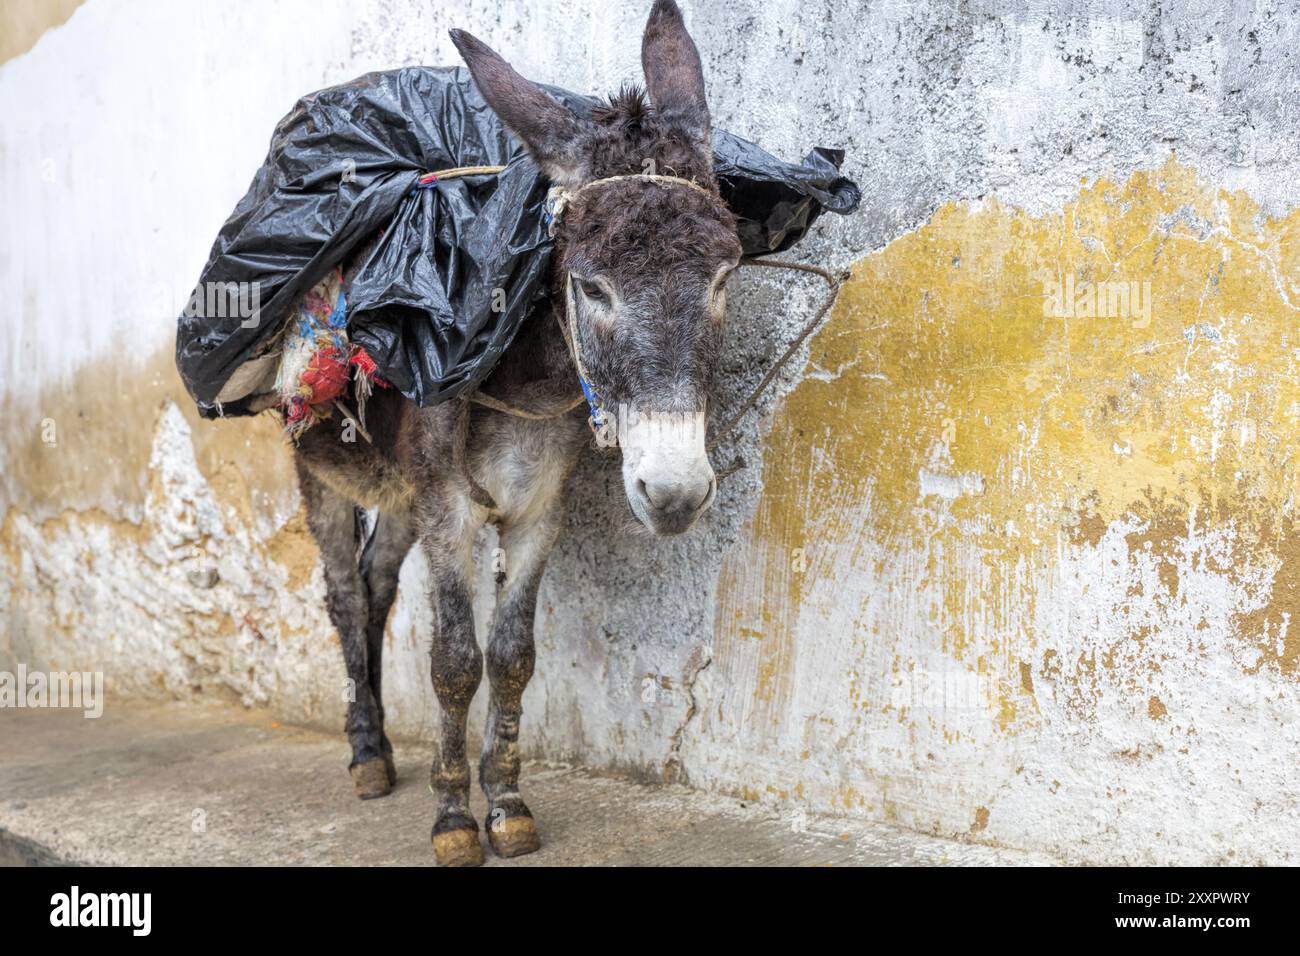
(995, 568)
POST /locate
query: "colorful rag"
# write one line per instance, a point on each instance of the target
(317, 359)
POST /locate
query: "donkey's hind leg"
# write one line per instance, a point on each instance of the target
(332, 519)
(381, 562)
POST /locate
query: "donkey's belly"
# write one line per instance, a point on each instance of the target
(380, 488)
(356, 470)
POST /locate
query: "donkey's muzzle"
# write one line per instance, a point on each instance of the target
(666, 471)
(672, 506)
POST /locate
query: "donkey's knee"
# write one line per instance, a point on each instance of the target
(456, 663)
(511, 657)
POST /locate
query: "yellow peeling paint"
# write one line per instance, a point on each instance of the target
(946, 420)
(85, 444)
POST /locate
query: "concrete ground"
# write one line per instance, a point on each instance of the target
(152, 784)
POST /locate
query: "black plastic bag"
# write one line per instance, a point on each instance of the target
(346, 163)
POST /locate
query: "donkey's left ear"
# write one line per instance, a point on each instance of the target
(673, 74)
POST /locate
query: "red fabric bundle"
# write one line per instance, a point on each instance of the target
(326, 376)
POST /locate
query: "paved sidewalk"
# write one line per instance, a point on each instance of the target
(154, 784)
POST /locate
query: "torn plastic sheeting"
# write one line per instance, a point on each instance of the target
(460, 266)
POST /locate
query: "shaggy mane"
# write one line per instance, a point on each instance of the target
(629, 110)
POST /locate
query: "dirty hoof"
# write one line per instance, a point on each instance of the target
(457, 848)
(371, 779)
(390, 768)
(512, 836)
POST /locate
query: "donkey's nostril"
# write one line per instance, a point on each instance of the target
(642, 490)
(660, 495)
(692, 499)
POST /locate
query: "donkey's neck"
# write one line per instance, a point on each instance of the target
(537, 366)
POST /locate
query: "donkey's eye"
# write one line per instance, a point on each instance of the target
(593, 292)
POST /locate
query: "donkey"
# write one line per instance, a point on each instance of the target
(638, 285)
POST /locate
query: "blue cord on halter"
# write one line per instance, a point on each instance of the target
(590, 394)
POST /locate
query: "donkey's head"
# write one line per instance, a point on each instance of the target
(646, 259)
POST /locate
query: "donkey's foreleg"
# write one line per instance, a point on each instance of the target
(456, 665)
(332, 520)
(510, 657)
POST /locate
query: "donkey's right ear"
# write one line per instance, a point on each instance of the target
(550, 131)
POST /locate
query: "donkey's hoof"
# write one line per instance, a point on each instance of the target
(512, 836)
(372, 779)
(457, 848)
(390, 769)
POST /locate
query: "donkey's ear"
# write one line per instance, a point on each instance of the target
(673, 74)
(550, 131)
